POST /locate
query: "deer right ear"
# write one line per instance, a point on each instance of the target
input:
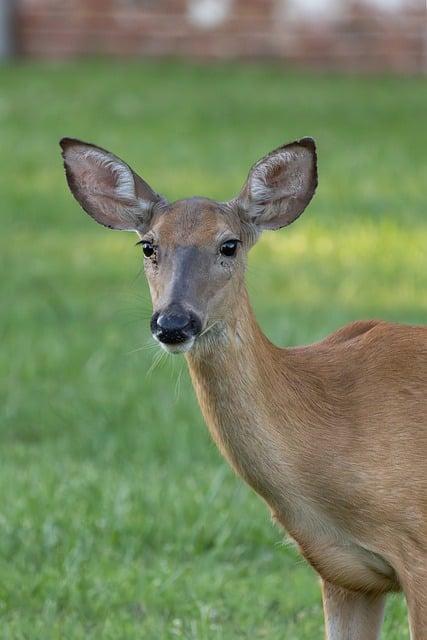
(106, 187)
(279, 186)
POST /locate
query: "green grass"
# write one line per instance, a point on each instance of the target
(118, 518)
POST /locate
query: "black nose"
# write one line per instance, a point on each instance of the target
(175, 325)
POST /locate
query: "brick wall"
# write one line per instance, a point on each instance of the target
(340, 34)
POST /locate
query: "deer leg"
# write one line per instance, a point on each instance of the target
(350, 615)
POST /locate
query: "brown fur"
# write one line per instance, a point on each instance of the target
(307, 431)
(333, 436)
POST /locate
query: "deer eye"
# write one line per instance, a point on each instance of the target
(147, 248)
(229, 248)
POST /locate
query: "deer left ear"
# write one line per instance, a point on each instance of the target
(107, 188)
(280, 185)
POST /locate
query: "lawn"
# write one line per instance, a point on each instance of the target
(119, 519)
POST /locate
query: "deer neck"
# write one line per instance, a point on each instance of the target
(229, 372)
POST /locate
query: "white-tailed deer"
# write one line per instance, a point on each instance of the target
(333, 436)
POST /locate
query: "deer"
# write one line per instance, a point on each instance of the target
(333, 435)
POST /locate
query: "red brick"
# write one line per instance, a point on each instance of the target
(364, 38)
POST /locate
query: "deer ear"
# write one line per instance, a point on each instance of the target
(280, 185)
(106, 187)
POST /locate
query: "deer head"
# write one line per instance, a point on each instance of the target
(194, 249)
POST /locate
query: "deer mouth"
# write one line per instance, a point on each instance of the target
(177, 347)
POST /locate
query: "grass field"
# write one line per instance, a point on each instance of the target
(118, 518)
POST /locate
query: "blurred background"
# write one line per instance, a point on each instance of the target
(118, 517)
(345, 34)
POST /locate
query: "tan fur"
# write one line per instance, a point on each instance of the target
(326, 434)
(333, 436)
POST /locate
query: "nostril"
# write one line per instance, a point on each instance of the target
(195, 324)
(153, 323)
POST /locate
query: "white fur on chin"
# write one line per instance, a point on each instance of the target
(181, 347)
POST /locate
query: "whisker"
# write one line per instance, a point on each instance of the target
(158, 357)
(149, 345)
(208, 328)
(178, 384)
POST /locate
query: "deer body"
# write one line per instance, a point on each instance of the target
(333, 436)
(309, 440)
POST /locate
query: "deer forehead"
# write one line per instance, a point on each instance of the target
(195, 221)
